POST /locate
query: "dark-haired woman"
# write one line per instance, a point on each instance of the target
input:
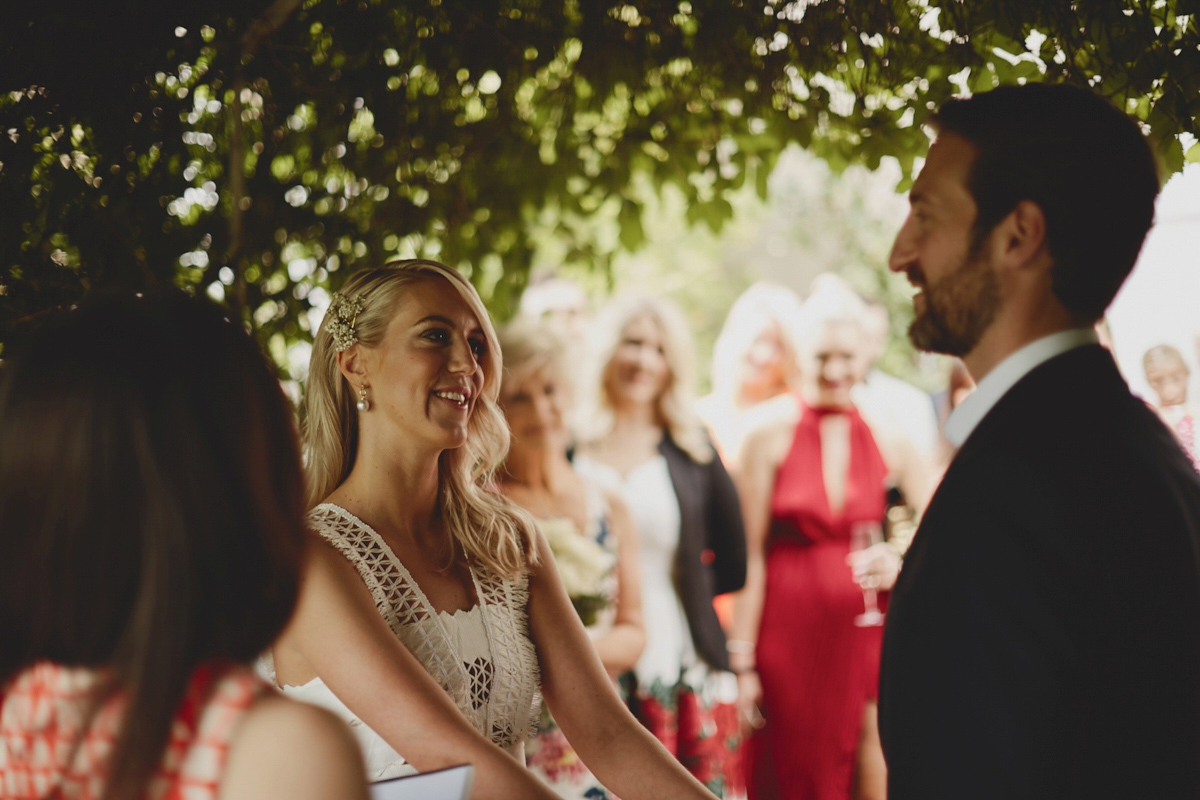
(151, 539)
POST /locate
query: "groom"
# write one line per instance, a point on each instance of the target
(1043, 639)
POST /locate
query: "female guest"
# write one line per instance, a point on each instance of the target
(643, 440)
(151, 540)
(810, 479)
(588, 530)
(754, 360)
(431, 605)
(1168, 376)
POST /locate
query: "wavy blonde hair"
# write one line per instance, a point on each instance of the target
(530, 344)
(762, 305)
(675, 405)
(491, 531)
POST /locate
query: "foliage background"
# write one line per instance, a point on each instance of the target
(259, 151)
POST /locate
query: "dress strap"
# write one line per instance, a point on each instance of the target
(398, 599)
(596, 510)
(396, 595)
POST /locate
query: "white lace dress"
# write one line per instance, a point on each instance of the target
(482, 657)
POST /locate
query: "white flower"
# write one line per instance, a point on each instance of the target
(582, 563)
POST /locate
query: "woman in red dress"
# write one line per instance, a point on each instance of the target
(808, 479)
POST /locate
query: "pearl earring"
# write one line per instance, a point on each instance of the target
(362, 403)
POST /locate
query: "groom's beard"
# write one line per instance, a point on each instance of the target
(956, 309)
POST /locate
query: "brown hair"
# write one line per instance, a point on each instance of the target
(151, 506)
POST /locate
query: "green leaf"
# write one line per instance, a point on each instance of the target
(1172, 156)
(630, 220)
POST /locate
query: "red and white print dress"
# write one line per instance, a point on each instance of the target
(45, 753)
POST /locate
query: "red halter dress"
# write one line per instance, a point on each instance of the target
(817, 667)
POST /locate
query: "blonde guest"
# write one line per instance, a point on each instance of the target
(640, 437)
(431, 612)
(812, 482)
(1168, 376)
(754, 360)
(587, 528)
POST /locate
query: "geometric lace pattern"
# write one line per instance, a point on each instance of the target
(500, 697)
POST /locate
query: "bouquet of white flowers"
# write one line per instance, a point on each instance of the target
(583, 564)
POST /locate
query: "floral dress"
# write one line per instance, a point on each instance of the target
(587, 564)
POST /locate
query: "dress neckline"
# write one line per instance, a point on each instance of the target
(399, 565)
(623, 477)
(824, 411)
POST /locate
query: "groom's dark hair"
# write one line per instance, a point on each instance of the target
(1086, 165)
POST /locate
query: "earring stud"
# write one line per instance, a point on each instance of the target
(362, 404)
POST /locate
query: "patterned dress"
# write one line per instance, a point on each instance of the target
(1182, 420)
(483, 658)
(45, 751)
(550, 755)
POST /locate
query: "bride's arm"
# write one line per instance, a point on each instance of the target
(619, 751)
(338, 633)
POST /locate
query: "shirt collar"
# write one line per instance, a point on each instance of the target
(963, 420)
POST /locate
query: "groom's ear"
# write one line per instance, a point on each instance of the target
(1020, 242)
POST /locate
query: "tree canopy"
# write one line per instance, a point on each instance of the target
(259, 151)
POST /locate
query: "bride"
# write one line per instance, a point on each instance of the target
(431, 610)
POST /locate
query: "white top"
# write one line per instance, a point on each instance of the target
(482, 657)
(648, 492)
(963, 420)
(886, 400)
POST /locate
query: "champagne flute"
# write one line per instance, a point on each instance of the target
(862, 536)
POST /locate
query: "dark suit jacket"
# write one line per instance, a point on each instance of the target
(711, 559)
(1043, 639)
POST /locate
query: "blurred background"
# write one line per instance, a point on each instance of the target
(258, 152)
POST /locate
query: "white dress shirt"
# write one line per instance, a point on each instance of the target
(1006, 374)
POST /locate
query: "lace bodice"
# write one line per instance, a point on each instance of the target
(495, 685)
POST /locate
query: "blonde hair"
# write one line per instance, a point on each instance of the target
(530, 344)
(674, 405)
(1163, 354)
(830, 304)
(760, 306)
(489, 529)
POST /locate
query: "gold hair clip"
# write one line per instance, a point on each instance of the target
(340, 318)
